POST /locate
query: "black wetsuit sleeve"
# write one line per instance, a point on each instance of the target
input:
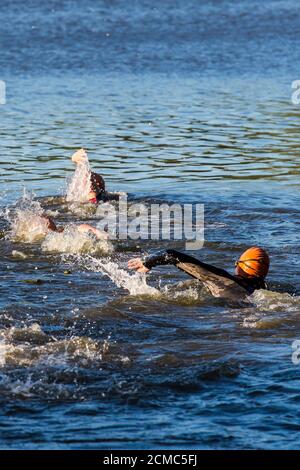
(176, 257)
(106, 197)
(162, 258)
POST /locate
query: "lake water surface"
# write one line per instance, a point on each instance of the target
(176, 101)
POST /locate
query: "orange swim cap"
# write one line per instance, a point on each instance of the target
(254, 262)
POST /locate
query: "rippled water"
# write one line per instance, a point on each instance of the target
(181, 101)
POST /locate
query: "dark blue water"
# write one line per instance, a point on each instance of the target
(179, 101)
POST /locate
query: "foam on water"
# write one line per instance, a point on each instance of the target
(81, 211)
(4, 348)
(29, 346)
(33, 363)
(19, 254)
(275, 301)
(186, 292)
(271, 309)
(71, 240)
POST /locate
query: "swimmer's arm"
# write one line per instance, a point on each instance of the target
(180, 260)
(86, 228)
(160, 259)
(176, 258)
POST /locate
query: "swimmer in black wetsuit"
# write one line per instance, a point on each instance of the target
(251, 270)
(97, 192)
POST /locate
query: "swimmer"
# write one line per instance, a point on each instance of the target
(51, 226)
(97, 191)
(33, 227)
(250, 272)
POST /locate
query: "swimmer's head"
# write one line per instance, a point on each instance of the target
(254, 262)
(97, 185)
(50, 224)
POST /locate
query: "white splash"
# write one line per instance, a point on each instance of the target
(3, 351)
(275, 301)
(271, 309)
(80, 186)
(135, 284)
(184, 292)
(29, 346)
(19, 254)
(26, 220)
(71, 240)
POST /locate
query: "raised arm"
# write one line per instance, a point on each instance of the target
(179, 259)
(219, 282)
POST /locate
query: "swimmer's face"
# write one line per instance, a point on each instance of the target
(92, 195)
(239, 272)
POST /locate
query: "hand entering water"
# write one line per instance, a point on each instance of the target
(138, 265)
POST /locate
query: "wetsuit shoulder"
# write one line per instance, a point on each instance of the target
(161, 258)
(105, 196)
(251, 284)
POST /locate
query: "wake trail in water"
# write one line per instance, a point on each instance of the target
(271, 309)
(135, 284)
